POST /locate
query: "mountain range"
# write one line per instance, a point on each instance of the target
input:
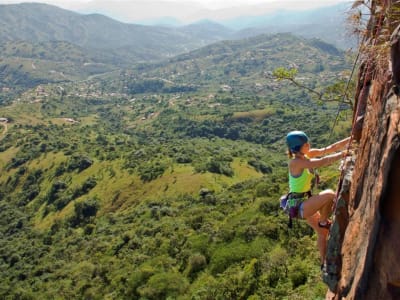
(44, 43)
(35, 22)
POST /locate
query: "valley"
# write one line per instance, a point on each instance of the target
(161, 179)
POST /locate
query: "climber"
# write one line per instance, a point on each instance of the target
(315, 209)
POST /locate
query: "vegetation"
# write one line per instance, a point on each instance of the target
(167, 191)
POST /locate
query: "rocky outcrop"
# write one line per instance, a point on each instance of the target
(363, 249)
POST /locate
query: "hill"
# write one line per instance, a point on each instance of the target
(43, 43)
(32, 22)
(244, 65)
(140, 183)
(327, 23)
(25, 64)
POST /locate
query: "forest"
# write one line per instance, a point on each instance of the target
(162, 180)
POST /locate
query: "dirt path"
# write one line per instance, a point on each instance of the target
(3, 134)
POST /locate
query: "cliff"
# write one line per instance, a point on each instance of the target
(364, 243)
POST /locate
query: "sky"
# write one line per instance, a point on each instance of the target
(183, 10)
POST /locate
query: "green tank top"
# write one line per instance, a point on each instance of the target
(302, 183)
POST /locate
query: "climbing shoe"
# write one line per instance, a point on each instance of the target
(327, 225)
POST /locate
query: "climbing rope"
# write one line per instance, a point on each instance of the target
(347, 151)
(344, 94)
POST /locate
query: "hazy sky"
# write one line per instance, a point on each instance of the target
(211, 4)
(184, 10)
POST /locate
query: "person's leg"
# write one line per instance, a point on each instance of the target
(317, 209)
(326, 210)
(321, 202)
(322, 235)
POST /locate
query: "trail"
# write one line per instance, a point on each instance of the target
(3, 134)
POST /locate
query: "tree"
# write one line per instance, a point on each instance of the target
(84, 212)
(338, 92)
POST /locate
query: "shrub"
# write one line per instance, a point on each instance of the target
(250, 233)
(33, 178)
(79, 163)
(17, 161)
(260, 166)
(183, 159)
(262, 189)
(62, 202)
(138, 279)
(55, 189)
(200, 243)
(197, 262)
(164, 285)
(89, 184)
(269, 206)
(219, 167)
(84, 211)
(207, 196)
(151, 171)
(224, 256)
(60, 170)
(298, 273)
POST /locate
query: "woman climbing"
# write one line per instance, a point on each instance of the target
(315, 209)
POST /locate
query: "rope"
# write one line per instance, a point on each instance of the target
(345, 94)
(381, 18)
(338, 110)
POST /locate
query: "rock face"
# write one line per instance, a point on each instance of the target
(363, 260)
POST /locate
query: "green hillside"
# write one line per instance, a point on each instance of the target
(25, 65)
(161, 181)
(46, 44)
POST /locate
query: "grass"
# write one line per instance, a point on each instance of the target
(6, 157)
(118, 190)
(23, 113)
(47, 161)
(255, 115)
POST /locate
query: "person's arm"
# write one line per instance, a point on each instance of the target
(329, 149)
(317, 162)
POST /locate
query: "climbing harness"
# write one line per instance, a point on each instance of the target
(292, 205)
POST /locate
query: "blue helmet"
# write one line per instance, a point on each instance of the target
(296, 139)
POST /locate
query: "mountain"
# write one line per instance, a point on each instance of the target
(207, 30)
(24, 64)
(121, 44)
(290, 16)
(42, 23)
(250, 60)
(326, 23)
(43, 43)
(162, 21)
